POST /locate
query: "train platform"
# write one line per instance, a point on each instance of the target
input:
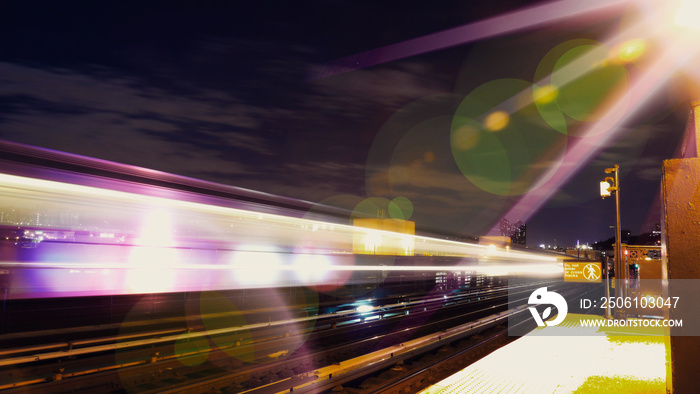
(569, 358)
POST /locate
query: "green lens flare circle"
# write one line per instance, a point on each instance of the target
(498, 139)
(378, 207)
(574, 82)
(587, 78)
(400, 208)
(373, 207)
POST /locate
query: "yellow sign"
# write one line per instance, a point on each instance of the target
(391, 239)
(583, 272)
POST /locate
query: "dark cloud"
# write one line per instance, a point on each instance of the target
(219, 91)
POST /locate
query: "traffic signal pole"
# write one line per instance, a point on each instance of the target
(620, 272)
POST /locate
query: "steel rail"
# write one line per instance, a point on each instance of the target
(282, 385)
(383, 311)
(393, 386)
(72, 351)
(330, 376)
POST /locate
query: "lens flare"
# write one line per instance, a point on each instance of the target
(687, 14)
(630, 51)
(218, 312)
(600, 134)
(521, 19)
(545, 94)
(466, 136)
(497, 120)
(373, 207)
(510, 161)
(192, 351)
(421, 126)
(586, 80)
(400, 208)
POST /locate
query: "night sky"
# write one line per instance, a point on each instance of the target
(284, 97)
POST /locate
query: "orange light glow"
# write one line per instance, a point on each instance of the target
(497, 120)
(545, 94)
(630, 51)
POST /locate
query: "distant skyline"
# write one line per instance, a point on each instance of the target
(230, 92)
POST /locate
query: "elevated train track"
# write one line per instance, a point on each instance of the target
(337, 347)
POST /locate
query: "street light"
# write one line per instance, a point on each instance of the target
(612, 186)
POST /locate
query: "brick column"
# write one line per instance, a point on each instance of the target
(681, 255)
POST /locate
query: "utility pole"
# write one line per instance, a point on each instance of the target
(607, 187)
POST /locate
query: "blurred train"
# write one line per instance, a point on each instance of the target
(77, 226)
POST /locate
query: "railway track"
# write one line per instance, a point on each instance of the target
(276, 355)
(417, 373)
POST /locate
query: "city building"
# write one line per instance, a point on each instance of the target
(516, 231)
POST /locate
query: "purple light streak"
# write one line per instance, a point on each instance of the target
(599, 133)
(525, 18)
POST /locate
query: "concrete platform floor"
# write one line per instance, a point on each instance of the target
(569, 358)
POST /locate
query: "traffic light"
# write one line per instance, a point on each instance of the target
(605, 189)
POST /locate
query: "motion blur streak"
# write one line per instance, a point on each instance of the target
(489, 270)
(72, 240)
(289, 232)
(526, 18)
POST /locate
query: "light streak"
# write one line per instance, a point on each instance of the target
(288, 227)
(601, 133)
(511, 22)
(605, 130)
(365, 308)
(488, 270)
